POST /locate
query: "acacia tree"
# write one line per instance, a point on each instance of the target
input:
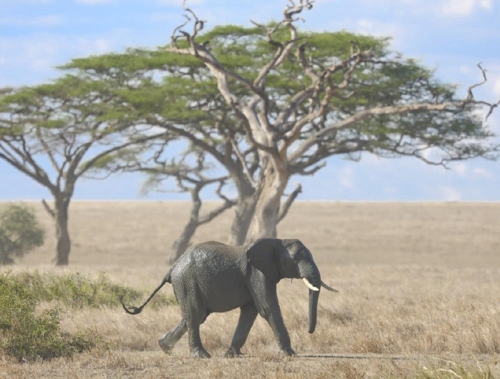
(178, 94)
(270, 102)
(315, 95)
(55, 133)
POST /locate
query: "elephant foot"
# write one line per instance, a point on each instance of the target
(289, 351)
(199, 353)
(233, 352)
(165, 346)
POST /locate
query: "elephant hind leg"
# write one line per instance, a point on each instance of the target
(248, 314)
(170, 338)
(196, 348)
(194, 312)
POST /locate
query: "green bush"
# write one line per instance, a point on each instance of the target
(76, 291)
(28, 335)
(20, 232)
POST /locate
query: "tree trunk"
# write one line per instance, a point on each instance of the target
(63, 241)
(244, 212)
(245, 206)
(268, 204)
(181, 244)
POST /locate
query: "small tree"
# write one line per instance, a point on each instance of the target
(55, 133)
(20, 232)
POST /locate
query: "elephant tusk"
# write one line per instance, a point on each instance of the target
(328, 287)
(309, 285)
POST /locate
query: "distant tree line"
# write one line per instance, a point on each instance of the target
(240, 108)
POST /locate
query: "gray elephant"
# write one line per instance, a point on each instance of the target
(214, 277)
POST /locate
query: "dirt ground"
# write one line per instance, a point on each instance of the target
(418, 293)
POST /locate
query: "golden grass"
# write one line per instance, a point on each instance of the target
(416, 280)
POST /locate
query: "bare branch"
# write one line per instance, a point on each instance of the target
(49, 210)
(220, 209)
(38, 174)
(90, 163)
(289, 201)
(376, 111)
(470, 94)
(312, 170)
(242, 161)
(48, 151)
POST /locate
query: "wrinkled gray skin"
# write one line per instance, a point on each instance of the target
(214, 277)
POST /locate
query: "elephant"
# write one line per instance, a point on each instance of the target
(215, 277)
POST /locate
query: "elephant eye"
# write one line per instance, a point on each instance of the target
(298, 256)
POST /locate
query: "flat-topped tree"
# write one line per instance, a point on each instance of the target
(178, 94)
(55, 133)
(303, 97)
(268, 102)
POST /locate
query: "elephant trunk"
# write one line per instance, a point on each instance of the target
(312, 278)
(313, 309)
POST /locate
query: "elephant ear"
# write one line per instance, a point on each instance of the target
(263, 256)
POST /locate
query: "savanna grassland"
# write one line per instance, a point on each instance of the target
(419, 294)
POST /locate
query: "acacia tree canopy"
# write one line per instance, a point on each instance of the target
(271, 101)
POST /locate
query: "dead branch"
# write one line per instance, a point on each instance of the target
(49, 210)
(242, 161)
(289, 201)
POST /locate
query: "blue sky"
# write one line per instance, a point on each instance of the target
(449, 35)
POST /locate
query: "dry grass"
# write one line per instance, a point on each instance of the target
(416, 280)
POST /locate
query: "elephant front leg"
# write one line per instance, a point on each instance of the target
(277, 324)
(266, 300)
(247, 317)
(170, 338)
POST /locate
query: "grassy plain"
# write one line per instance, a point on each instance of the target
(417, 281)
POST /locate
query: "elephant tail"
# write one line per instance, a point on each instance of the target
(134, 310)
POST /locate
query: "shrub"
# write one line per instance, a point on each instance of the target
(76, 291)
(27, 335)
(30, 335)
(20, 232)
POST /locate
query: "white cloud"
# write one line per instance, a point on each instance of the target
(449, 193)
(39, 54)
(483, 172)
(382, 29)
(461, 169)
(464, 7)
(458, 7)
(486, 4)
(102, 45)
